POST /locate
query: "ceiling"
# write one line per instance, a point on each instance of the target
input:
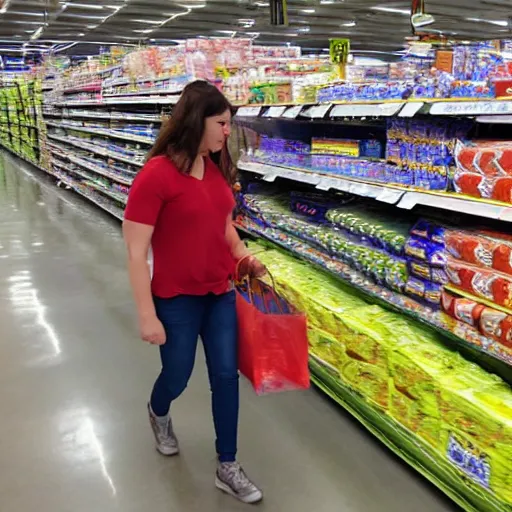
(370, 24)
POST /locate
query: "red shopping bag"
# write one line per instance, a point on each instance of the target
(272, 339)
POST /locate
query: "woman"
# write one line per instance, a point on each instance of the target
(181, 204)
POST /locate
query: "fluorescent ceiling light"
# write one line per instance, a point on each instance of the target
(37, 33)
(307, 11)
(192, 5)
(19, 13)
(247, 22)
(327, 2)
(303, 30)
(5, 6)
(499, 23)
(145, 31)
(391, 9)
(262, 4)
(92, 27)
(149, 22)
(90, 6)
(349, 24)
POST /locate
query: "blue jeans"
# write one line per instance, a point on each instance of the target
(213, 317)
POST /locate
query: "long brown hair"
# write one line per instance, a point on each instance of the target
(181, 135)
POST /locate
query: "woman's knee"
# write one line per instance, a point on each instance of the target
(171, 385)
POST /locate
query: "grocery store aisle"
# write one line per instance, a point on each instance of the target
(74, 435)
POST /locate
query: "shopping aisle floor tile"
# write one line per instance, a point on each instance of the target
(74, 435)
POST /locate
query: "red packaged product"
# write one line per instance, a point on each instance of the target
(485, 163)
(489, 158)
(505, 161)
(464, 310)
(466, 157)
(469, 247)
(468, 183)
(448, 303)
(502, 190)
(489, 284)
(496, 325)
(483, 250)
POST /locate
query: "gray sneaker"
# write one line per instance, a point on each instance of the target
(232, 479)
(166, 441)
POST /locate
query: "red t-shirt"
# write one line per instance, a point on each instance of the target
(190, 250)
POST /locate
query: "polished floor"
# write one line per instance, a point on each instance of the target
(74, 380)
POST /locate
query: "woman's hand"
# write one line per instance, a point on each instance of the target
(252, 267)
(152, 331)
(256, 268)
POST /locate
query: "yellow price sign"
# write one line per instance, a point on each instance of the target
(339, 50)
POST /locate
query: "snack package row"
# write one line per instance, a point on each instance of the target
(488, 158)
(384, 268)
(477, 185)
(381, 230)
(488, 284)
(494, 324)
(461, 411)
(484, 249)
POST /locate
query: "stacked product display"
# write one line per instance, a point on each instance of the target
(455, 413)
(20, 108)
(346, 186)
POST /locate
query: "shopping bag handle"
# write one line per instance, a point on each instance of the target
(249, 280)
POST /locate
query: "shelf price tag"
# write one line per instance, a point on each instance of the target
(411, 109)
(366, 110)
(317, 111)
(506, 214)
(470, 108)
(389, 195)
(408, 201)
(274, 112)
(270, 177)
(248, 112)
(292, 112)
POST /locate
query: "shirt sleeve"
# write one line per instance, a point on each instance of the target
(146, 196)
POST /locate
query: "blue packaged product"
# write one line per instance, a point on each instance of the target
(424, 290)
(426, 250)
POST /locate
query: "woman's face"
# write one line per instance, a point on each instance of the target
(216, 131)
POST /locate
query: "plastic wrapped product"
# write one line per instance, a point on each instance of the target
(465, 310)
(468, 183)
(370, 380)
(488, 284)
(426, 250)
(327, 348)
(496, 325)
(424, 271)
(425, 290)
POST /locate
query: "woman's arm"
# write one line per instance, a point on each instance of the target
(254, 267)
(238, 248)
(138, 240)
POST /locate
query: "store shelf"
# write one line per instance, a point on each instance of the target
(382, 108)
(417, 453)
(108, 117)
(171, 100)
(97, 150)
(174, 90)
(93, 168)
(75, 187)
(104, 133)
(122, 198)
(98, 170)
(96, 87)
(490, 353)
(392, 194)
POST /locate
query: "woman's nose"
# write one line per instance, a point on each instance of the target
(227, 130)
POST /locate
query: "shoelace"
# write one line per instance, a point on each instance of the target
(237, 476)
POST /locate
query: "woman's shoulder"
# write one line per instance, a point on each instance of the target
(158, 164)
